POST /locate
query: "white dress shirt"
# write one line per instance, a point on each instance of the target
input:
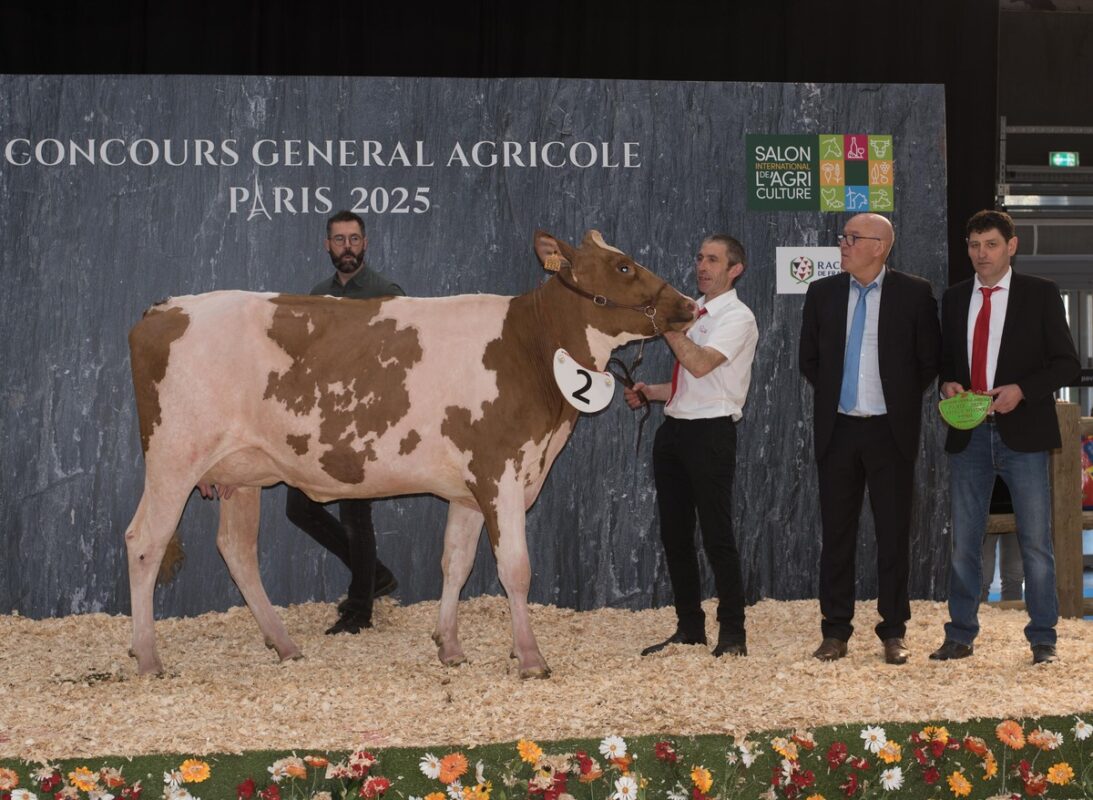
(870, 390)
(729, 328)
(999, 303)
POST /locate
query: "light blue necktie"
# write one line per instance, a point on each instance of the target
(848, 396)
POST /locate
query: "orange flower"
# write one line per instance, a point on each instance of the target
(593, 774)
(529, 751)
(1044, 740)
(1010, 734)
(83, 779)
(702, 779)
(316, 761)
(815, 797)
(111, 777)
(436, 796)
(194, 771)
(890, 753)
(623, 763)
(9, 779)
(973, 744)
(990, 766)
(1060, 774)
(959, 785)
(452, 767)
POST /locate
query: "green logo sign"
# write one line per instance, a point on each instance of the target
(829, 172)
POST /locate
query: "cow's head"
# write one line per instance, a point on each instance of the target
(623, 296)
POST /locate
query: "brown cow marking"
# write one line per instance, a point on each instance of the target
(298, 443)
(409, 442)
(150, 349)
(349, 365)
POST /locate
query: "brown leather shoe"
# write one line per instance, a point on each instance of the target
(830, 650)
(895, 652)
(950, 650)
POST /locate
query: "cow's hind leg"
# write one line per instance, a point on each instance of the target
(460, 543)
(237, 540)
(507, 530)
(146, 540)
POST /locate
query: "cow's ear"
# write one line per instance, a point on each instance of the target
(553, 253)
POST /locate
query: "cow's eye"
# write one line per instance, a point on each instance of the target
(624, 268)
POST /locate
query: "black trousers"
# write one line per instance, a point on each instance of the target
(863, 453)
(352, 540)
(693, 466)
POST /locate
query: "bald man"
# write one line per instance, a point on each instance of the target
(870, 345)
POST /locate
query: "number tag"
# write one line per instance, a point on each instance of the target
(584, 389)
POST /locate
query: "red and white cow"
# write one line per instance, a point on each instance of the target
(454, 396)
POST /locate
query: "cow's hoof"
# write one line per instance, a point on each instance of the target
(452, 658)
(151, 666)
(535, 672)
(291, 655)
(437, 640)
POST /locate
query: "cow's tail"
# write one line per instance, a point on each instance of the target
(173, 558)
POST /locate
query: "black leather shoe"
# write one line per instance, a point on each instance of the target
(1044, 654)
(950, 650)
(830, 649)
(730, 649)
(895, 651)
(676, 638)
(352, 620)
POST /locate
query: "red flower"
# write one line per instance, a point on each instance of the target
(132, 792)
(665, 752)
(920, 756)
(937, 747)
(836, 755)
(790, 791)
(1035, 784)
(375, 787)
(50, 783)
(697, 795)
(931, 776)
(857, 762)
(271, 792)
(583, 762)
(803, 741)
(803, 778)
(916, 738)
(851, 786)
(776, 776)
(245, 790)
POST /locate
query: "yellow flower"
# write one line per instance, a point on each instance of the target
(815, 797)
(194, 771)
(452, 767)
(436, 796)
(1010, 734)
(529, 751)
(959, 785)
(83, 779)
(935, 733)
(784, 748)
(1060, 774)
(890, 753)
(9, 779)
(702, 779)
(990, 766)
(480, 791)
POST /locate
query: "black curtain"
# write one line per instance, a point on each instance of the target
(831, 41)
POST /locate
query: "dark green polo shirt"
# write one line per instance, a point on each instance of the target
(365, 285)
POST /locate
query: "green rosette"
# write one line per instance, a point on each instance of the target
(964, 411)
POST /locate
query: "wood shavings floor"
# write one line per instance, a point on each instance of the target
(68, 688)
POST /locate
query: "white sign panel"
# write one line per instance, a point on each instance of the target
(797, 267)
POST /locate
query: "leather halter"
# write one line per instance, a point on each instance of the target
(649, 310)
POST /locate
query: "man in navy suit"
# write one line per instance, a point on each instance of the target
(1006, 335)
(869, 347)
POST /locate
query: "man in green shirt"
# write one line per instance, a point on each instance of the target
(351, 536)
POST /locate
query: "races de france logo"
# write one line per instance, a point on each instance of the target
(802, 269)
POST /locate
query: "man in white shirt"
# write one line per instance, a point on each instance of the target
(694, 455)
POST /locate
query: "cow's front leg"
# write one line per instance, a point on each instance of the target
(237, 540)
(514, 570)
(460, 543)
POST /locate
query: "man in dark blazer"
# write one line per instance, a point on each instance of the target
(1005, 335)
(869, 347)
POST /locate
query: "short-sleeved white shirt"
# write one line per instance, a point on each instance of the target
(728, 327)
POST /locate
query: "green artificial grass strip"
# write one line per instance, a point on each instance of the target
(934, 760)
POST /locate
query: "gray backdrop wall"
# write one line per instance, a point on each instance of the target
(86, 247)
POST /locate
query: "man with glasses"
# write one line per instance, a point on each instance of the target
(1004, 335)
(350, 537)
(869, 346)
(694, 454)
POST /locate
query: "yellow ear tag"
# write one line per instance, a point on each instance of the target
(552, 263)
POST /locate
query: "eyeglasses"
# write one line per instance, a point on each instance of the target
(340, 240)
(852, 238)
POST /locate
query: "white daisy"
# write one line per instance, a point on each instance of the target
(455, 790)
(430, 766)
(891, 779)
(1052, 740)
(874, 738)
(677, 792)
(24, 794)
(96, 794)
(47, 770)
(172, 779)
(613, 747)
(748, 752)
(480, 772)
(626, 788)
(1082, 730)
(328, 796)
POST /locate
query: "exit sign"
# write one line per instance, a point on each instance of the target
(1063, 158)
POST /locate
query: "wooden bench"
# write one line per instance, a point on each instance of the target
(1067, 518)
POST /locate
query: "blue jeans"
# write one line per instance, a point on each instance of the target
(971, 480)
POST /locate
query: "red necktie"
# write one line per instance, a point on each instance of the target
(980, 337)
(675, 370)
